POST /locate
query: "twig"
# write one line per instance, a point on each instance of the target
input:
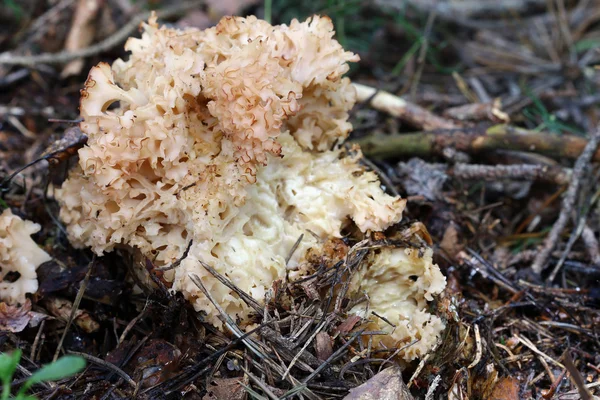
(76, 303)
(179, 260)
(303, 349)
(382, 176)
(260, 384)
(421, 366)
(108, 43)
(36, 341)
(227, 320)
(243, 295)
(576, 377)
(473, 141)
(528, 172)
(568, 202)
(332, 357)
(537, 351)
(107, 365)
(432, 386)
(294, 248)
(132, 323)
(400, 108)
(546, 173)
(479, 348)
(567, 250)
(414, 81)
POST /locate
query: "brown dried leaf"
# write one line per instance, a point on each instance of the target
(67, 145)
(348, 324)
(16, 318)
(386, 385)
(61, 309)
(323, 346)
(506, 389)
(53, 277)
(225, 389)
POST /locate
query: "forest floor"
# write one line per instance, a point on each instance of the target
(495, 146)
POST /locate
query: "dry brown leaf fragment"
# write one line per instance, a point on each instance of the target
(323, 346)
(65, 146)
(506, 389)
(348, 324)
(62, 308)
(16, 318)
(386, 385)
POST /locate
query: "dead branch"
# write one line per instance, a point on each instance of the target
(474, 140)
(528, 172)
(403, 109)
(63, 57)
(568, 203)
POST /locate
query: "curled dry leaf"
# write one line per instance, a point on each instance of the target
(386, 385)
(66, 146)
(16, 318)
(62, 308)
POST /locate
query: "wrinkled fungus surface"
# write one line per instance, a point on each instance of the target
(19, 258)
(231, 138)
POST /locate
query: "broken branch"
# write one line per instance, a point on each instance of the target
(473, 141)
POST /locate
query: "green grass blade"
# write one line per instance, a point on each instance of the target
(62, 368)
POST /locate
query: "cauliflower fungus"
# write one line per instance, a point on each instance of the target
(230, 138)
(18, 254)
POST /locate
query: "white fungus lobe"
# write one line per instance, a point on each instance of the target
(19, 256)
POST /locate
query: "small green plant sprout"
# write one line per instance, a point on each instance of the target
(62, 368)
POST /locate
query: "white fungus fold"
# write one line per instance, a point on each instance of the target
(19, 256)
